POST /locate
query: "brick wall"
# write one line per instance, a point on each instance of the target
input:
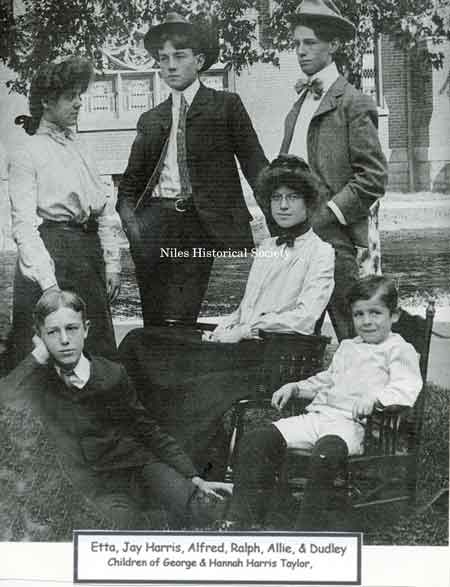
(439, 151)
(394, 90)
(425, 160)
(421, 103)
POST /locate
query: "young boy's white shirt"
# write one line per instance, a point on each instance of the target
(388, 372)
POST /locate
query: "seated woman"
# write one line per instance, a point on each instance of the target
(188, 384)
(291, 279)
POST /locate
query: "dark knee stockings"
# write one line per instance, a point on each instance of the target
(261, 455)
(324, 502)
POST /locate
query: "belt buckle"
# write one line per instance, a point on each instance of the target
(177, 205)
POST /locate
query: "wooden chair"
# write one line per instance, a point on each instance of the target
(387, 470)
(284, 358)
(190, 384)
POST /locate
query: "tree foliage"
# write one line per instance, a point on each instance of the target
(418, 26)
(50, 29)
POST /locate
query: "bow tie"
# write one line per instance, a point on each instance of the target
(314, 86)
(290, 234)
(287, 239)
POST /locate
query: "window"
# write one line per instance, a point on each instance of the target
(115, 100)
(371, 73)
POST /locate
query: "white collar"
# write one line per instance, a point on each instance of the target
(188, 93)
(328, 75)
(59, 134)
(298, 239)
(358, 340)
(81, 372)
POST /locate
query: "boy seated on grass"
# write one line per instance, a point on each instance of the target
(377, 367)
(106, 441)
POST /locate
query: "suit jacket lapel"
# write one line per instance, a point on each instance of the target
(200, 102)
(329, 101)
(165, 115)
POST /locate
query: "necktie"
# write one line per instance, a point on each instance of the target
(69, 378)
(314, 86)
(289, 124)
(185, 183)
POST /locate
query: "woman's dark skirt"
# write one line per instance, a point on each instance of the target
(79, 266)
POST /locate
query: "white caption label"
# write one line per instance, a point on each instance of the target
(219, 557)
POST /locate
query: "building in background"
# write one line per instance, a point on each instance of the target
(413, 102)
(128, 86)
(418, 99)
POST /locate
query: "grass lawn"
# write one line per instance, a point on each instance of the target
(39, 504)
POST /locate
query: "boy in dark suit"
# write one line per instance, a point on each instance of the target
(334, 128)
(180, 196)
(106, 441)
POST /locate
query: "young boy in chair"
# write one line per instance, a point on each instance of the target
(375, 367)
(106, 441)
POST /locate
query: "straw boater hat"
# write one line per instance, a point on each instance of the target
(317, 12)
(204, 33)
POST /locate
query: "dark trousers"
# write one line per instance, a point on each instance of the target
(172, 266)
(345, 275)
(261, 455)
(79, 266)
(127, 499)
(346, 272)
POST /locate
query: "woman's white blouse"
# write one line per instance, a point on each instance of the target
(288, 288)
(51, 177)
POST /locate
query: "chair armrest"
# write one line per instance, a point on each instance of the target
(382, 428)
(251, 403)
(392, 410)
(294, 407)
(294, 337)
(209, 326)
(206, 326)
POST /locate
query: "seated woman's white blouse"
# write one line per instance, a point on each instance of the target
(288, 288)
(51, 177)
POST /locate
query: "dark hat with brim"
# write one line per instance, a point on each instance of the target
(314, 13)
(205, 35)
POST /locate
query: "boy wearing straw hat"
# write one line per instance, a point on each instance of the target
(334, 128)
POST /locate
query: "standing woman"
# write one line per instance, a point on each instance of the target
(65, 233)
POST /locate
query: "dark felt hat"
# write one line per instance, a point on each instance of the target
(317, 12)
(204, 33)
